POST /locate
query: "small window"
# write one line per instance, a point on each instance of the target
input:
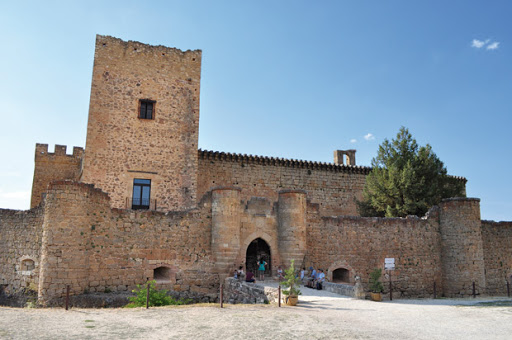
(141, 193)
(147, 109)
(27, 265)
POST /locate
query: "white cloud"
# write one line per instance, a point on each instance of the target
(479, 43)
(369, 137)
(487, 43)
(353, 141)
(493, 46)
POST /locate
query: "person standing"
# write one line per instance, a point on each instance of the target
(261, 268)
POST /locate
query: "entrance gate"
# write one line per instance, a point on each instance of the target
(258, 250)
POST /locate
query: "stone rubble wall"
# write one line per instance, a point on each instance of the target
(360, 245)
(236, 291)
(339, 288)
(497, 244)
(20, 239)
(77, 239)
(94, 248)
(462, 247)
(333, 188)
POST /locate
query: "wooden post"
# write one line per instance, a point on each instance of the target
(67, 297)
(508, 289)
(435, 290)
(474, 290)
(390, 288)
(221, 296)
(279, 295)
(147, 294)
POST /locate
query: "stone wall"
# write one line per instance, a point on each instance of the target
(120, 145)
(360, 245)
(333, 187)
(94, 248)
(462, 247)
(20, 243)
(497, 244)
(54, 166)
(341, 289)
(236, 291)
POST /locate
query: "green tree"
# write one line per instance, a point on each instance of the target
(406, 180)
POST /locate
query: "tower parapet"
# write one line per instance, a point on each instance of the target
(53, 166)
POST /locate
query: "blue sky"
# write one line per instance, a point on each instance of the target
(293, 79)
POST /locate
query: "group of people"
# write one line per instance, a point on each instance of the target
(314, 280)
(249, 276)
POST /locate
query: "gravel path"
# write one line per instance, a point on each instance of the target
(319, 315)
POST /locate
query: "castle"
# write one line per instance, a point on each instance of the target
(142, 202)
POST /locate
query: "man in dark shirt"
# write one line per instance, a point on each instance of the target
(249, 277)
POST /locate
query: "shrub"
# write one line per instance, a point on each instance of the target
(375, 284)
(291, 281)
(156, 297)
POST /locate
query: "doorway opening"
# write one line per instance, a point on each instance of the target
(256, 251)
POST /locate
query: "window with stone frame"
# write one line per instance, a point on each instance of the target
(27, 265)
(147, 109)
(141, 193)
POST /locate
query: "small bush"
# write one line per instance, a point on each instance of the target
(375, 284)
(156, 297)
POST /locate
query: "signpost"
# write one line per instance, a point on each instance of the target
(389, 264)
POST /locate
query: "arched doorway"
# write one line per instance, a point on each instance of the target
(258, 249)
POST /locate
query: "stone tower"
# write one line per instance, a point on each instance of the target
(142, 132)
(461, 247)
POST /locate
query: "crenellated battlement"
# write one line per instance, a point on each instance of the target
(53, 166)
(60, 150)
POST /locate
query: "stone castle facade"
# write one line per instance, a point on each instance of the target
(142, 202)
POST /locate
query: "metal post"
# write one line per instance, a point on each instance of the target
(279, 294)
(147, 294)
(435, 290)
(390, 288)
(221, 296)
(67, 297)
(474, 291)
(508, 289)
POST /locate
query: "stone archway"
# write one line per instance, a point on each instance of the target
(258, 249)
(341, 272)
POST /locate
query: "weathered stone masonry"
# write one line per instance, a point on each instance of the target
(213, 211)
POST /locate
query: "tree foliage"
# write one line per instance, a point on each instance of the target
(291, 281)
(406, 180)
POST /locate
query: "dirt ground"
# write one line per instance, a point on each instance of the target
(319, 315)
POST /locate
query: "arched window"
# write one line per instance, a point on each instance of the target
(341, 275)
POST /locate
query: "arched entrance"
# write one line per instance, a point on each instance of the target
(258, 249)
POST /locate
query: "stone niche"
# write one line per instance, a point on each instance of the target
(341, 275)
(162, 274)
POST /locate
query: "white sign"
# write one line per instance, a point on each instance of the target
(389, 263)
